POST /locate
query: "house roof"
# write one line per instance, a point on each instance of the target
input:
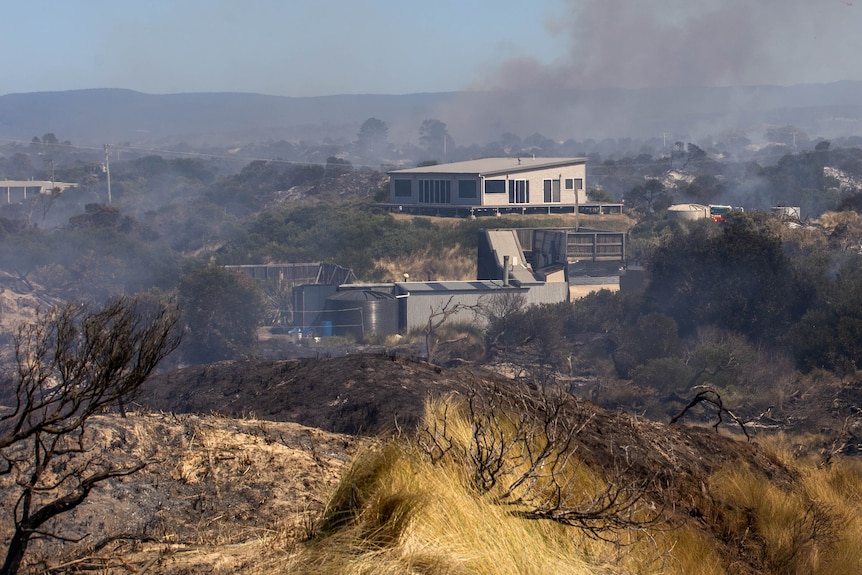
(492, 166)
(444, 287)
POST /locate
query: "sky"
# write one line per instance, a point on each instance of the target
(325, 47)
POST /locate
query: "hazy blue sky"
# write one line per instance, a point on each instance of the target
(319, 47)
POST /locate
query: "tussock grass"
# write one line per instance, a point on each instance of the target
(449, 263)
(409, 507)
(397, 511)
(811, 526)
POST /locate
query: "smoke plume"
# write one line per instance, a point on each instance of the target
(666, 49)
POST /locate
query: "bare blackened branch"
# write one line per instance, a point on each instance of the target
(710, 396)
(435, 440)
(617, 508)
(436, 318)
(521, 451)
(72, 363)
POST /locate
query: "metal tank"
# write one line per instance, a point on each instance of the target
(361, 313)
(688, 212)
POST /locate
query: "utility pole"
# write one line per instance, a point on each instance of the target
(108, 171)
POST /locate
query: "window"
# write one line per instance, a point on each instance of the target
(403, 188)
(552, 191)
(495, 186)
(519, 191)
(466, 188)
(574, 184)
(435, 191)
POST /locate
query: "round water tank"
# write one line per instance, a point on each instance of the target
(362, 313)
(688, 212)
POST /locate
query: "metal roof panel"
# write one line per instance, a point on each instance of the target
(491, 166)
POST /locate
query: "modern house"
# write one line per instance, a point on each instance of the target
(491, 185)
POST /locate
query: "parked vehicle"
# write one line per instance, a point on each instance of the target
(719, 212)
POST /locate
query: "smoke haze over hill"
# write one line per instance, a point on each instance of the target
(96, 117)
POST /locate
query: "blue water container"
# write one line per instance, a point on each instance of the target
(326, 328)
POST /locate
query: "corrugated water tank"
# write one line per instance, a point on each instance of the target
(688, 212)
(362, 313)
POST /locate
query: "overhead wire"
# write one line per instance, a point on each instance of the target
(620, 164)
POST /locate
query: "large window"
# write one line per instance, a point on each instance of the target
(466, 188)
(403, 188)
(495, 186)
(552, 191)
(574, 184)
(435, 191)
(519, 191)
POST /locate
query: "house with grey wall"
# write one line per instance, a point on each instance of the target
(492, 185)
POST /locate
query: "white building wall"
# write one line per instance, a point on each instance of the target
(536, 178)
(537, 181)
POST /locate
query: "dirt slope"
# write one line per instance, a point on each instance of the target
(218, 495)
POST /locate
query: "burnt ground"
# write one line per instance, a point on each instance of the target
(377, 394)
(366, 394)
(245, 453)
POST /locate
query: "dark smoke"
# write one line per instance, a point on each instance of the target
(667, 50)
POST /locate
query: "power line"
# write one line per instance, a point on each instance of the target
(619, 164)
(202, 155)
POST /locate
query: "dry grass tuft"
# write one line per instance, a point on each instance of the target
(810, 526)
(399, 510)
(450, 263)
(406, 508)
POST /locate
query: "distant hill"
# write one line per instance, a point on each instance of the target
(99, 116)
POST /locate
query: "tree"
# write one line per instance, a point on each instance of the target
(537, 143)
(649, 197)
(600, 195)
(372, 136)
(336, 166)
(829, 335)
(72, 363)
(704, 189)
(653, 336)
(695, 155)
(222, 311)
(511, 142)
(540, 329)
(435, 138)
(736, 278)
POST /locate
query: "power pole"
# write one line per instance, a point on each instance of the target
(108, 172)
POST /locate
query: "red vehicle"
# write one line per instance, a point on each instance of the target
(719, 213)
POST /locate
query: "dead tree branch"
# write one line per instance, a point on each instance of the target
(436, 318)
(710, 396)
(72, 363)
(521, 453)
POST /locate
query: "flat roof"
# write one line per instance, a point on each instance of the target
(492, 166)
(454, 286)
